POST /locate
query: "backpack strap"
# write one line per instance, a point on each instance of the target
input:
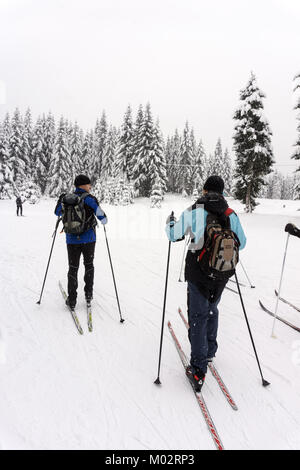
(228, 212)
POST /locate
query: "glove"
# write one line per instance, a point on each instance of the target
(292, 230)
(171, 219)
(103, 220)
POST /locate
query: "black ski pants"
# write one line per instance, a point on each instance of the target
(19, 208)
(74, 253)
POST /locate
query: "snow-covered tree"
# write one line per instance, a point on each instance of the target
(76, 145)
(100, 136)
(135, 140)
(144, 155)
(87, 155)
(29, 191)
(158, 170)
(38, 160)
(252, 145)
(199, 172)
(172, 154)
(196, 194)
(124, 149)
(6, 176)
(60, 175)
(27, 142)
(18, 158)
(226, 173)
(185, 182)
(156, 195)
(108, 159)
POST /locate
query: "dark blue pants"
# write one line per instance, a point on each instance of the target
(203, 320)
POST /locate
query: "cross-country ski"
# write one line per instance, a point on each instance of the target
(71, 310)
(213, 370)
(283, 320)
(287, 302)
(199, 397)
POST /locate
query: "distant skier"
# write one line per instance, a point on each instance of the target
(205, 221)
(78, 211)
(19, 205)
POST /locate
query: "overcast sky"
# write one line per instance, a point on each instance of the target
(188, 58)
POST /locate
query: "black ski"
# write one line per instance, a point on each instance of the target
(73, 313)
(240, 283)
(287, 302)
(232, 290)
(286, 322)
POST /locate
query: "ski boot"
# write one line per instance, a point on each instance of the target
(196, 378)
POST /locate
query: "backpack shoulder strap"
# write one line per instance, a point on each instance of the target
(228, 212)
(83, 196)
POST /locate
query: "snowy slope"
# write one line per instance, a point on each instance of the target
(63, 391)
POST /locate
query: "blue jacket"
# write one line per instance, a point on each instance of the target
(193, 222)
(89, 236)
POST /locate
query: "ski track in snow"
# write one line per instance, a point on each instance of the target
(60, 390)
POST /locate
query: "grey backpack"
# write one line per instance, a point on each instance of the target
(74, 217)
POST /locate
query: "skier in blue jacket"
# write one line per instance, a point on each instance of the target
(84, 243)
(203, 292)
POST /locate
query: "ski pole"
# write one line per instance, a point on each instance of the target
(183, 258)
(157, 381)
(53, 236)
(280, 283)
(250, 283)
(264, 382)
(113, 276)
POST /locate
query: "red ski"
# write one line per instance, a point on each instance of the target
(214, 371)
(212, 429)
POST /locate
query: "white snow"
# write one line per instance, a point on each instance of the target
(60, 390)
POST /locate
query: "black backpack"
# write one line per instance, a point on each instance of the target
(74, 214)
(220, 253)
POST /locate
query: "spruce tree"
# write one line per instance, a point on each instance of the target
(185, 182)
(124, 151)
(27, 142)
(144, 154)
(172, 153)
(199, 168)
(135, 141)
(109, 154)
(100, 136)
(87, 155)
(75, 150)
(18, 159)
(252, 145)
(39, 171)
(226, 172)
(6, 176)
(60, 175)
(158, 170)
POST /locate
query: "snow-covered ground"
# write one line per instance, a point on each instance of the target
(60, 390)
